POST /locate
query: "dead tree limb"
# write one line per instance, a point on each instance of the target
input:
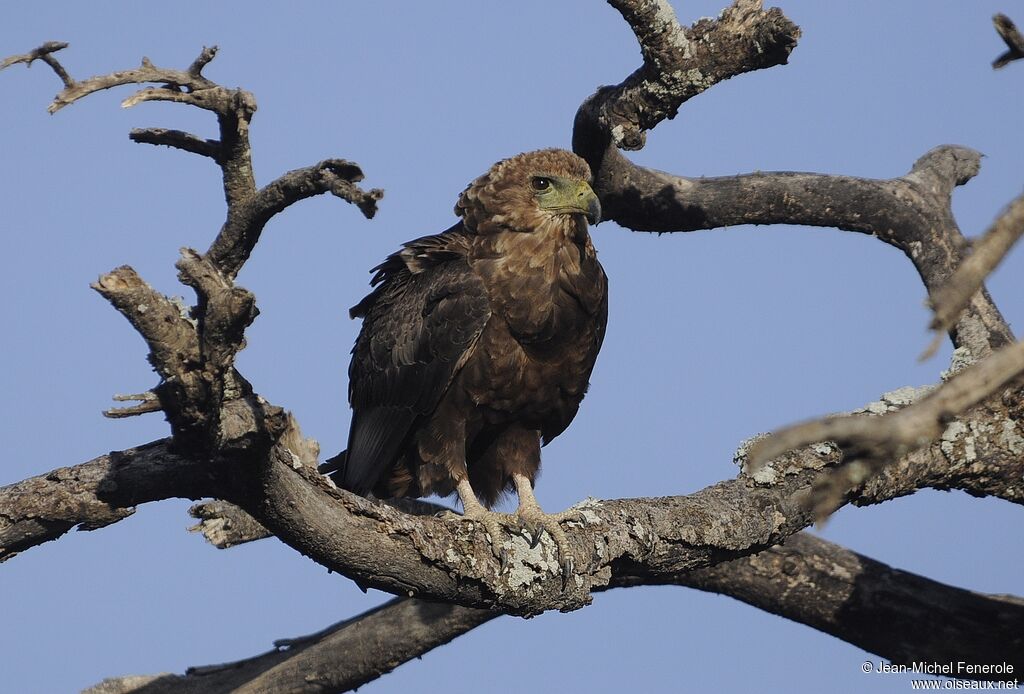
(949, 301)
(869, 442)
(1009, 33)
(980, 453)
(807, 580)
(911, 213)
(340, 658)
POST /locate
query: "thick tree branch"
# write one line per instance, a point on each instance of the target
(340, 658)
(895, 614)
(681, 63)
(807, 580)
(912, 212)
(980, 452)
(95, 494)
(1008, 31)
(869, 442)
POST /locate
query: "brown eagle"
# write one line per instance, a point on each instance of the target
(477, 345)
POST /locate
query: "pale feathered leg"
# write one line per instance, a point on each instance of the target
(473, 510)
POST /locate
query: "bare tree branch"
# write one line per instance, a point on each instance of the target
(340, 658)
(177, 139)
(807, 579)
(94, 494)
(249, 209)
(871, 442)
(190, 86)
(949, 301)
(225, 525)
(43, 53)
(1014, 41)
(681, 63)
(851, 597)
(335, 176)
(912, 212)
(432, 558)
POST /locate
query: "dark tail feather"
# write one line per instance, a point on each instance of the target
(374, 443)
(334, 467)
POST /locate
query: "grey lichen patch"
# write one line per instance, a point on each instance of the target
(958, 444)
(215, 530)
(778, 520)
(739, 458)
(1010, 437)
(961, 359)
(697, 78)
(526, 568)
(825, 449)
(767, 475)
(773, 471)
(841, 572)
(527, 565)
(184, 310)
(454, 558)
(896, 399)
(586, 511)
(618, 133)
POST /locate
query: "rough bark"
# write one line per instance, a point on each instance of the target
(437, 559)
(340, 658)
(898, 615)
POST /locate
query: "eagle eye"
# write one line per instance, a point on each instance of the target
(540, 183)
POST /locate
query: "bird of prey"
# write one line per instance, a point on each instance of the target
(477, 345)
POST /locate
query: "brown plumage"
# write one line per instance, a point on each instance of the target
(477, 343)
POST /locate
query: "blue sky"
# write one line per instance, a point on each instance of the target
(713, 336)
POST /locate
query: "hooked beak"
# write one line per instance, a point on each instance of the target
(588, 203)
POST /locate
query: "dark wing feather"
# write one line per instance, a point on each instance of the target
(419, 326)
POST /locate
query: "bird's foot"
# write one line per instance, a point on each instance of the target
(492, 522)
(534, 521)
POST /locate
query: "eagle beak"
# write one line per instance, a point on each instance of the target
(588, 203)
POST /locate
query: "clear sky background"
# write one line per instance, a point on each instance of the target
(713, 336)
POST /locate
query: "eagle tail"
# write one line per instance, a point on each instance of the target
(374, 444)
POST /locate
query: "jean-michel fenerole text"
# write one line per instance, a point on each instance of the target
(949, 669)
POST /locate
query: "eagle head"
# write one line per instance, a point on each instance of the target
(523, 192)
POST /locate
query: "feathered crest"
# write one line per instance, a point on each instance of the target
(501, 199)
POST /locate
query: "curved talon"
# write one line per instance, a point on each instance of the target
(568, 569)
(535, 536)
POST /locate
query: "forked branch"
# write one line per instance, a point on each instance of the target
(949, 301)
(1008, 31)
